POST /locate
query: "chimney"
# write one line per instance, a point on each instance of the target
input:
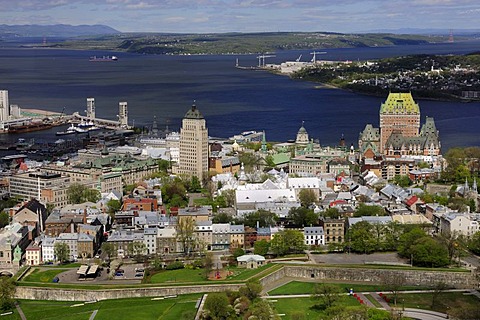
(72, 227)
(85, 216)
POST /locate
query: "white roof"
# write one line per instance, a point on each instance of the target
(250, 257)
(302, 183)
(248, 196)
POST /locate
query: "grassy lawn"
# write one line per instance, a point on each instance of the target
(289, 306)
(445, 301)
(45, 276)
(179, 275)
(197, 276)
(298, 287)
(182, 307)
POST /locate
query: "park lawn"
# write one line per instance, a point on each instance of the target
(179, 275)
(181, 307)
(245, 274)
(445, 301)
(299, 287)
(289, 306)
(38, 275)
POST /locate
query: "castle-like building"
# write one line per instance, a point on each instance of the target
(399, 133)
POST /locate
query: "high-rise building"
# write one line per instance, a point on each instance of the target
(399, 114)
(123, 114)
(4, 106)
(91, 108)
(193, 159)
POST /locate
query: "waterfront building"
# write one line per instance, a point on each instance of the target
(123, 114)
(193, 160)
(91, 108)
(4, 106)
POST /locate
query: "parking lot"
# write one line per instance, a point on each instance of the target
(131, 275)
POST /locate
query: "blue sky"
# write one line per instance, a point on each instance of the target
(246, 15)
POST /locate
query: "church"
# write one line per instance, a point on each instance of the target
(399, 134)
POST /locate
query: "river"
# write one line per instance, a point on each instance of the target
(231, 100)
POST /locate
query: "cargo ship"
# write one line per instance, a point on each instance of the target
(103, 59)
(29, 127)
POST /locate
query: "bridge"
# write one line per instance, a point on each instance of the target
(99, 122)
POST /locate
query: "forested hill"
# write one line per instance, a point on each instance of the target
(240, 43)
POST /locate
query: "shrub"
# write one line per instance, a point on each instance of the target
(175, 265)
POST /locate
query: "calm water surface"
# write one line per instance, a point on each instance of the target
(231, 100)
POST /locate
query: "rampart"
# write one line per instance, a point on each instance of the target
(461, 280)
(63, 294)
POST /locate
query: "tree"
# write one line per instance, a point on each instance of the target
(264, 218)
(261, 247)
(109, 250)
(394, 283)
(4, 219)
(222, 217)
(302, 216)
(474, 243)
(402, 181)
(438, 288)
(113, 206)
(287, 241)
(238, 252)
(229, 196)
(61, 251)
(326, 293)
(217, 305)
(251, 290)
(7, 292)
(137, 250)
(307, 197)
(361, 237)
(366, 210)
(426, 252)
(78, 193)
(408, 239)
(185, 234)
(174, 193)
(208, 264)
(331, 213)
(262, 310)
(194, 185)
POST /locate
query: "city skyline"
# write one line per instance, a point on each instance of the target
(181, 16)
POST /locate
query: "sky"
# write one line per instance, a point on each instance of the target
(201, 16)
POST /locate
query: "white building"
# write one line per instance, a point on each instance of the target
(4, 106)
(459, 223)
(150, 239)
(48, 249)
(314, 236)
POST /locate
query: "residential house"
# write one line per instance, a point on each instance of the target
(314, 236)
(250, 261)
(220, 236)
(237, 236)
(334, 230)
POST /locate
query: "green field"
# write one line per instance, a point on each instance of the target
(299, 287)
(290, 306)
(197, 275)
(182, 307)
(44, 276)
(445, 302)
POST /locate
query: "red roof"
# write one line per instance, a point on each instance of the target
(412, 200)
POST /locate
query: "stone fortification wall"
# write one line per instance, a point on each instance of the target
(459, 280)
(273, 277)
(60, 294)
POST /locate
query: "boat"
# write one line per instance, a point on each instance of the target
(70, 130)
(103, 59)
(24, 145)
(29, 127)
(84, 124)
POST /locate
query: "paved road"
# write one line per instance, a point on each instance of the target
(20, 311)
(93, 315)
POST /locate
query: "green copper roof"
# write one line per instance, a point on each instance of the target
(399, 103)
(193, 113)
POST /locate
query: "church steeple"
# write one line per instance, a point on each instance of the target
(474, 186)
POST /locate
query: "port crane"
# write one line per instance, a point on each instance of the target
(298, 59)
(314, 59)
(261, 59)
